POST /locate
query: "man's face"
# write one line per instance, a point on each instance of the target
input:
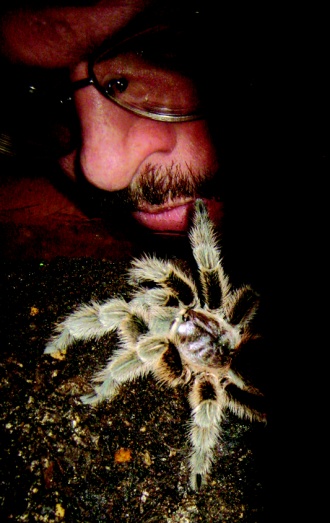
(159, 167)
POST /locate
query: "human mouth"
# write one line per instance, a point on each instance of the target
(175, 217)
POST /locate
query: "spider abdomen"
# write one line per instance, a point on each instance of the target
(204, 339)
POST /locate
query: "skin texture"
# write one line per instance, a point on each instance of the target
(118, 150)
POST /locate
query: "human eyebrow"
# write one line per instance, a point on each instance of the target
(160, 46)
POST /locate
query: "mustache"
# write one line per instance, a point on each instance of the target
(157, 185)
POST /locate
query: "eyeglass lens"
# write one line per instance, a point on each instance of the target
(149, 80)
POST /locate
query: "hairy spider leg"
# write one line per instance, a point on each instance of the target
(243, 400)
(88, 321)
(241, 306)
(155, 297)
(207, 402)
(152, 271)
(170, 369)
(214, 282)
(126, 363)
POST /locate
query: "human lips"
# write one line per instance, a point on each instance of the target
(174, 218)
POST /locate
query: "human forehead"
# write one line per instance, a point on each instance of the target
(63, 36)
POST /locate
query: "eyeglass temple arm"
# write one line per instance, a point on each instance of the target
(79, 84)
(75, 86)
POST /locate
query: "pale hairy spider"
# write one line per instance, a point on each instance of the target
(179, 331)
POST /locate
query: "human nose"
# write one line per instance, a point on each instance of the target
(115, 142)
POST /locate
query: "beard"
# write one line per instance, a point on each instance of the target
(156, 185)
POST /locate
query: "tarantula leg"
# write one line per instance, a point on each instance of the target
(152, 271)
(206, 400)
(133, 326)
(241, 306)
(170, 369)
(214, 282)
(87, 321)
(125, 365)
(244, 400)
(156, 297)
(151, 348)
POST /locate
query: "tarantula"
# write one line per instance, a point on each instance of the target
(181, 332)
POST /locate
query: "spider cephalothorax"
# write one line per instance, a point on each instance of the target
(180, 331)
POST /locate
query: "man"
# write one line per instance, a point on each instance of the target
(119, 89)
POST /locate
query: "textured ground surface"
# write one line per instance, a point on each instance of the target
(124, 461)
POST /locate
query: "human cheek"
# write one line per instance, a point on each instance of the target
(197, 147)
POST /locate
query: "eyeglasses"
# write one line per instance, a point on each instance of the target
(152, 74)
(160, 74)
